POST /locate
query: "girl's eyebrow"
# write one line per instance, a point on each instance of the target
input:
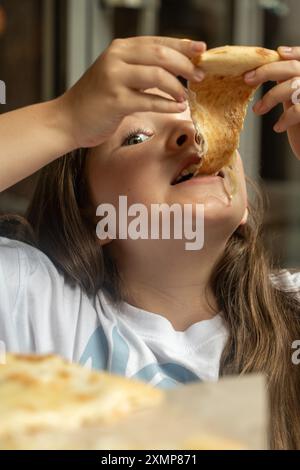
(129, 125)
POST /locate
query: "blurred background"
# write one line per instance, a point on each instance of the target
(46, 45)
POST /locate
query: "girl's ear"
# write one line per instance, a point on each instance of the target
(245, 217)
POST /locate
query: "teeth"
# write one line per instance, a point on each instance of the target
(188, 170)
(194, 170)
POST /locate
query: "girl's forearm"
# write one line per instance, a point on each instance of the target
(30, 138)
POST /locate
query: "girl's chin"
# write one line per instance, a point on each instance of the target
(211, 202)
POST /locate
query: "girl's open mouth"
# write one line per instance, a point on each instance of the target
(190, 173)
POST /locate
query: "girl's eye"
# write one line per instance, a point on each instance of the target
(136, 137)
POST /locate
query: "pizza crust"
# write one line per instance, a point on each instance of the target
(219, 103)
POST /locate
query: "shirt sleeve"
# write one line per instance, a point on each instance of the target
(10, 286)
(38, 310)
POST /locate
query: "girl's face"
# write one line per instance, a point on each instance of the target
(143, 167)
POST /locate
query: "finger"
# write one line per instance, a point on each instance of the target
(164, 57)
(141, 77)
(142, 102)
(151, 53)
(288, 53)
(277, 71)
(287, 105)
(187, 47)
(289, 118)
(282, 93)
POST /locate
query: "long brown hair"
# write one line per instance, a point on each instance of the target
(60, 213)
(262, 320)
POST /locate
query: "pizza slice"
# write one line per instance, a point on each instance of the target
(40, 393)
(219, 103)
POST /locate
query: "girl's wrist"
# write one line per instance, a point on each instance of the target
(59, 120)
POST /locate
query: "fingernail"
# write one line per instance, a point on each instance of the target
(259, 107)
(198, 46)
(182, 98)
(250, 75)
(285, 50)
(182, 106)
(277, 127)
(198, 75)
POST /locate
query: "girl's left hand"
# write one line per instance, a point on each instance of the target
(287, 91)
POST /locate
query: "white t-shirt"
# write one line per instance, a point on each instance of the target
(41, 313)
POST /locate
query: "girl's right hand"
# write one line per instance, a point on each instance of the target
(114, 85)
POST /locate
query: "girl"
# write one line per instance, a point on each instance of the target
(147, 309)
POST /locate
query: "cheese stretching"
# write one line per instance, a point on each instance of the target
(219, 103)
(40, 393)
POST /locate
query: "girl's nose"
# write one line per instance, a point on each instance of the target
(181, 139)
(183, 135)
